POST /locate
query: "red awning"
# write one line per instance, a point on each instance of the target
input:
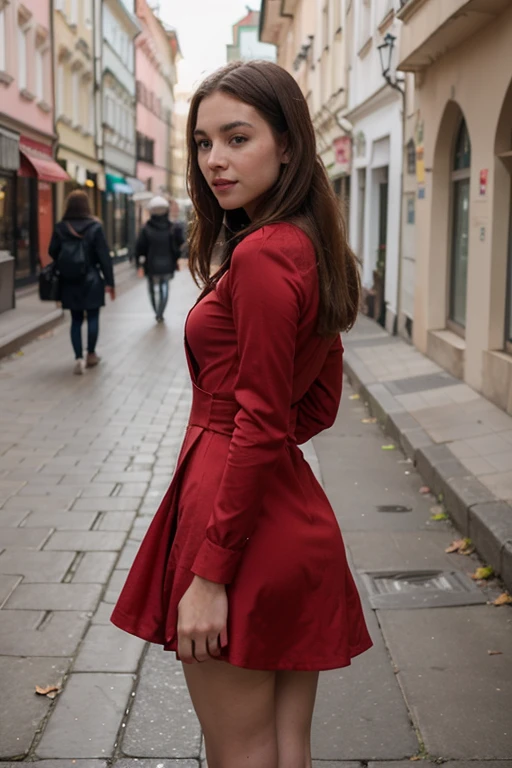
(34, 163)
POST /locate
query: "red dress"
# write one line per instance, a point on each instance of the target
(244, 508)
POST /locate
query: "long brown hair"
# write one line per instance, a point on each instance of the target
(78, 206)
(302, 194)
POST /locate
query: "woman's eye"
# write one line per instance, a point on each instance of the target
(203, 144)
(238, 140)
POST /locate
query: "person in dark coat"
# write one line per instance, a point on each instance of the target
(157, 252)
(86, 295)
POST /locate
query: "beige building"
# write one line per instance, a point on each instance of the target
(75, 99)
(461, 54)
(179, 153)
(312, 44)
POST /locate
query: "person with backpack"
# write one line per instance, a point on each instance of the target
(80, 251)
(157, 252)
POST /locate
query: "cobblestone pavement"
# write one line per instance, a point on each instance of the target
(84, 462)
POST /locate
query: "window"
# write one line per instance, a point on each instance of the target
(365, 21)
(75, 91)
(411, 157)
(461, 175)
(73, 16)
(145, 149)
(3, 57)
(39, 60)
(22, 58)
(88, 13)
(59, 91)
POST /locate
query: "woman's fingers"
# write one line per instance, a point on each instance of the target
(213, 645)
(185, 649)
(199, 645)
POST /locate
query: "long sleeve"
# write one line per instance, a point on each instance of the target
(141, 246)
(102, 252)
(319, 406)
(266, 296)
(54, 247)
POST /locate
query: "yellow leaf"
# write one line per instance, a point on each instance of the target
(503, 599)
(485, 572)
(48, 689)
(368, 421)
(354, 397)
(388, 447)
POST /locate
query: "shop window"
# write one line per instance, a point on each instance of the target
(6, 214)
(461, 175)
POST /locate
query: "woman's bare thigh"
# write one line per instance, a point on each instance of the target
(295, 694)
(236, 709)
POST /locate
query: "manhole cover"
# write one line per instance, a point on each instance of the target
(393, 508)
(420, 589)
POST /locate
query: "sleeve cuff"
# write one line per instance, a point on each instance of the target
(216, 563)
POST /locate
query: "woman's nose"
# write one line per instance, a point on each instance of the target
(216, 157)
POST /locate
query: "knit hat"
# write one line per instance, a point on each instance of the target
(158, 205)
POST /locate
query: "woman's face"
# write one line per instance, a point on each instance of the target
(237, 152)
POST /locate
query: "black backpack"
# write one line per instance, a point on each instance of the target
(72, 262)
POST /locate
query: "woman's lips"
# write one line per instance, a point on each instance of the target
(223, 186)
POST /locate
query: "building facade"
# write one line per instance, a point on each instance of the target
(28, 171)
(157, 52)
(120, 28)
(313, 45)
(75, 100)
(463, 240)
(246, 44)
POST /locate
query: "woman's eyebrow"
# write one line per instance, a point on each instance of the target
(226, 127)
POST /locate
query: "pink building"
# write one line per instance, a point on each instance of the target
(27, 167)
(156, 51)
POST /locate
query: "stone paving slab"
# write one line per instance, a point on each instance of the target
(154, 763)
(7, 584)
(94, 568)
(108, 649)
(32, 633)
(62, 521)
(55, 597)
(21, 709)
(162, 721)
(87, 717)
(36, 567)
(444, 667)
(86, 541)
(57, 764)
(24, 538)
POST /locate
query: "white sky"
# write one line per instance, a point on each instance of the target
(204, 30)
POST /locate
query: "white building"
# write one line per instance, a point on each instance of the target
(120, 28)
(375, 110)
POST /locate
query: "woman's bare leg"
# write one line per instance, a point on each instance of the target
(236, 709)
(295, 694)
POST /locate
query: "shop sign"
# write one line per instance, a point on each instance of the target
(342, 147)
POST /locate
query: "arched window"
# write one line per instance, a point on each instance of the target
(461, 174)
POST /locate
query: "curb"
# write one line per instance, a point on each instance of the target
(473, 509)
(12, 343)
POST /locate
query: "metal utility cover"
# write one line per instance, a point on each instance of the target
(420, 589)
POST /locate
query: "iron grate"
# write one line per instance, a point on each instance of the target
(420, 589)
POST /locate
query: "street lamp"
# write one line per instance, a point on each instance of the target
(386, 55)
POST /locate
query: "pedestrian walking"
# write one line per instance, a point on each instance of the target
(157, 252)
(243, 572)
(80, 251)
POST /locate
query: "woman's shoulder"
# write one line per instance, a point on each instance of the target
(284, 238)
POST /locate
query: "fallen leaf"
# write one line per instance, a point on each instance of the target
(354, 397)
(461, 546)
(441, 516)
(20, 353)
(388, 447)
(369, 421)
(485, 572)
(495, 653)
(415, 757)
(48, 690)
(455, 546)
(424, 490)
(46, 335)
(503, 599)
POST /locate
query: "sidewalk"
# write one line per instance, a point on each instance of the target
(460, 442)
(32, 318)
(84, 462)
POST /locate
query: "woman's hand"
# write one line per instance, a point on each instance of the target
(140, 272)
(111, 290)
(202, 621)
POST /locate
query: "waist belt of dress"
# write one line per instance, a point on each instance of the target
(218, 415)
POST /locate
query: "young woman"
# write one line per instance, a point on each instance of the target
(80, 250)
(243, 571)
